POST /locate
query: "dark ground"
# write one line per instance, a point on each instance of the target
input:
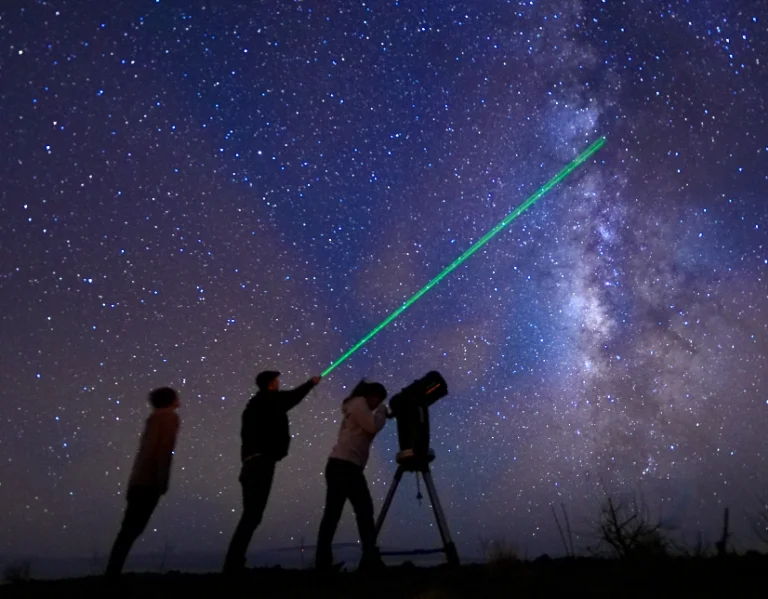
(745, 576)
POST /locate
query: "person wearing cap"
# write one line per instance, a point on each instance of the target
(365, 415)
(265, 439)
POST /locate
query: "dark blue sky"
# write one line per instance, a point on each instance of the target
(193, 192)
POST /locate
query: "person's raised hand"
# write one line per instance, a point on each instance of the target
(316, 379)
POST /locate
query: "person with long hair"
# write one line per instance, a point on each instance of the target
(365, 415)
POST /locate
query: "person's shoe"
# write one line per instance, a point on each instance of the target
(109, 583)
(329, 568)
(114, 586)
(371, 563)
(234, 570)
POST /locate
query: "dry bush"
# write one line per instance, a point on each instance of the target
(499, 553)
(18, 571)
(760, 521)
(700, 549)
(627, 531)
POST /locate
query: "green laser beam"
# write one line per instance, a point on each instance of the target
(577, 162)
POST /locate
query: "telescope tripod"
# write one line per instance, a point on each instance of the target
(409, 462)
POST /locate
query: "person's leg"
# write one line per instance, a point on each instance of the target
(335, 497)
(256, 480)
(360, 498)
(141, 504)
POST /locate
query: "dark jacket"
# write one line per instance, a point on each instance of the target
(265, 422)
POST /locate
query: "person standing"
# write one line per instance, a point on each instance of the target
(265, 439)
(150, 475)
(364, 416)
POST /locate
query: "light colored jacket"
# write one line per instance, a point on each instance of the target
(152, 467)
(358, 429)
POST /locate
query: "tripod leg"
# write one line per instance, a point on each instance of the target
(450, 549)
(388, 500)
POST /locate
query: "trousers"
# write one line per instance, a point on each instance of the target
(256, 478)
(142, 502)
(345, 480)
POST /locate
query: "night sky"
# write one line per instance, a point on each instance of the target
(196, 191)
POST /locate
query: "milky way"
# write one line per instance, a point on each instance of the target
(193, 192)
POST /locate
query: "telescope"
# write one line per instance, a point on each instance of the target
(410, 409)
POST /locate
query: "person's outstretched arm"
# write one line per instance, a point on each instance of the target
(290, 399)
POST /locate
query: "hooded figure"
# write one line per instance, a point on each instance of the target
(150, 475)
(364, 416)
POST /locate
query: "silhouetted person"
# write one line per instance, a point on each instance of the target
(364, 416)
(150, 474)
(265, 440)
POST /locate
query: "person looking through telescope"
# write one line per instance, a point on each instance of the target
(365, 414)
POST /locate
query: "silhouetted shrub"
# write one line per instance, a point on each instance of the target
(626, 531)
(760, 521)
(18, 571)
(500, 554)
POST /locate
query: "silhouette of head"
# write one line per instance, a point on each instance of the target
(374, 393)
(268, 380)
(163, 397)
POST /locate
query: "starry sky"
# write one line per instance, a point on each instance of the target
(196, 191)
